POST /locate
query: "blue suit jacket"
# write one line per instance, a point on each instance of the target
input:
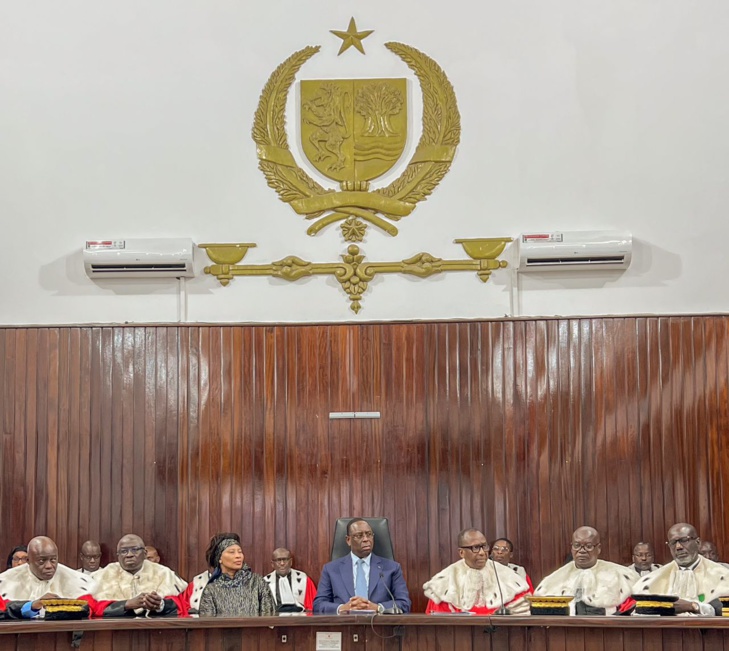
(336, 586)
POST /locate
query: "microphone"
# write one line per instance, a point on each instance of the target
(395, 610)
(502, 610)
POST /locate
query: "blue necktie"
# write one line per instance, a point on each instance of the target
(360, 587)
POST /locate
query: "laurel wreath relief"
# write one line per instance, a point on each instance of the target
(431, 161)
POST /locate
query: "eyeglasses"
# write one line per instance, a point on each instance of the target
(363, 534)
(475, 549)
(499, 548)
(684, 541)
(126, 551)
(282, 560)
(42, 560)
(588, 547)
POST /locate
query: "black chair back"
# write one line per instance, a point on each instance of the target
(381, 529)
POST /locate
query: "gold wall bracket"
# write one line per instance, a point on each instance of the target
(353, 273)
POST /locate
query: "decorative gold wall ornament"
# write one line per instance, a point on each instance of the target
(353, 131)
(351, 37)
(353, 273)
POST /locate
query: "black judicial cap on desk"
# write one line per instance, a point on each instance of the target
(655, 604)
(549, 605)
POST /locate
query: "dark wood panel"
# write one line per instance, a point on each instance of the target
(414, 634)
(525, 428)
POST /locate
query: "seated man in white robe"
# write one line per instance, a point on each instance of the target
(643, 559)
(134, 586)
(23, 588)
(292, 589)
(471, 584)
(695, 580)
(598, 587)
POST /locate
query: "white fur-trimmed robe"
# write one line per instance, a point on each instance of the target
(20, 584)
(654, 567)
(114, 583)
(195, 589)
(711, 581)
(467, 588)
(605, 584)
(298, 585)
(87, 573)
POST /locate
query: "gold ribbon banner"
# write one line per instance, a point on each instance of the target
(333, 200)
(277, 155)
(433, 154)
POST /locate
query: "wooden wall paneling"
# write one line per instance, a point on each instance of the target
(145, 422)
(178, 432)
(37, 482)
(525, 540)
(656, 485)
(214, 442)
(7, 412)
(718, 409)
(241, 380)
(643, 503)
(29, 496)
(189, 561)
(439, 525)
(674, 452)
(208, 443)
(59, 478)
(74, 437)
(91, 488)
(481, 360)
(312, 456)
(540, 398)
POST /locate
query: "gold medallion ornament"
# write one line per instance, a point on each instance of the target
(353, 132)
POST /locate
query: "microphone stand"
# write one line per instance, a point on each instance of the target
(395, 610)
(502, 610)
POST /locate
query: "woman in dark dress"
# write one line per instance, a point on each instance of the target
(234, 590)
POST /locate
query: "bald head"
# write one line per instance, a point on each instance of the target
(585, 547)
(90, 556)
(684, 543)
(282, 560)
(43, 557)
(131, 553)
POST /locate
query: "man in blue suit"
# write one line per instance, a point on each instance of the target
(360, 580)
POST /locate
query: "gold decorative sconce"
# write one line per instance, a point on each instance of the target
(353, 273)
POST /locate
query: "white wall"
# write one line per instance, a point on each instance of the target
(133, 119)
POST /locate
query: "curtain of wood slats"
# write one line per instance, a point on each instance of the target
(525, 428)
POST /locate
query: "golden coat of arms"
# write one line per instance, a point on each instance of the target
(353, 131)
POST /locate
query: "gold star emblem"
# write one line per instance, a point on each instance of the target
(351, 37)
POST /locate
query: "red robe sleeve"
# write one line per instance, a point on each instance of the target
(309, 595)
(433, 608)
(98, 607)
(531, 586)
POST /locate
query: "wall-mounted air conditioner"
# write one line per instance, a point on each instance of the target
(572, 251)
(139, 258)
